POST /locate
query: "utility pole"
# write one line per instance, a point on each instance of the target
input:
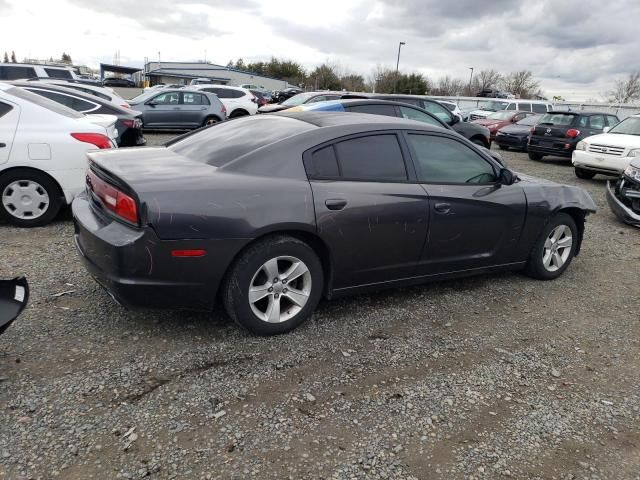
(395, 85)
(470, 79)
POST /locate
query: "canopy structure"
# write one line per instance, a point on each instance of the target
(105, 67)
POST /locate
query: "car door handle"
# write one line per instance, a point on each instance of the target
(335, 203)
(2, 145)
(442, 207)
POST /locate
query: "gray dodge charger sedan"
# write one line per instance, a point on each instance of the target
(269, 214)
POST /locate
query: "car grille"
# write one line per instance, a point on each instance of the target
(474, 116)
(606, 149)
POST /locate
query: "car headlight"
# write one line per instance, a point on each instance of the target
(634, 153)
(633, 172)
(581, 145)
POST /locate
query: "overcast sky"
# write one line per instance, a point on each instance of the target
(577, 48)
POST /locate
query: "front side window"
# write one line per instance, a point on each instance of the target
(16, 73)
(169, 98)
(413, 114)
(444, 160)
(376, 158)
(4, 109)
(58, 73)
(438, 110)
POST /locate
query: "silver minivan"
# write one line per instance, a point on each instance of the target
(492, 106)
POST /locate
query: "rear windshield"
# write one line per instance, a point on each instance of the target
(44, 102)
(560, 119)
(224, 142)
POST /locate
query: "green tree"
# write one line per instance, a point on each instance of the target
(413, 84)
(6, 57)
(353, 82)
(66, 58)
(324, 77)
(13, 57)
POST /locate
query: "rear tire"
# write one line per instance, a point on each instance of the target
(480, 141)
(258, 302)
(29, 198)
(554, 249)
(584, 174)
(210, 121)
(535, 156)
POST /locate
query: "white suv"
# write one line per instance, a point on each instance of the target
(238, 101)
(609, 153)
(492, 106)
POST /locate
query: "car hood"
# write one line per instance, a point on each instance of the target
(615, 140)
(555, 196)
(275, 107)
(516, 129)
(486, 121)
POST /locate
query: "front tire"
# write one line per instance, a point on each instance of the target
(535, 156)
(584, 174)
(555, 248)
(29, 198)
(210, 121)
(274, 286)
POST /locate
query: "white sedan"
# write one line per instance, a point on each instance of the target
(608, 153)
(43, 148)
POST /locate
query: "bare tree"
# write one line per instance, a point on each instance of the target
(448, 86)
(521, 84)
(626, 90)
(352, 82)
(485, 79)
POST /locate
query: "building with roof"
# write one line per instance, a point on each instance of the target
(184, 72)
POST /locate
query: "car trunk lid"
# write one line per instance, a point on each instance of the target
(555, 125)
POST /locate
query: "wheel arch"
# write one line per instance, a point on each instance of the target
(579, 217)
(239, 112)
(310, 238)
(39, 171)
(482, 138)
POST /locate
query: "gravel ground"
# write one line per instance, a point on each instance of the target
(495, 376)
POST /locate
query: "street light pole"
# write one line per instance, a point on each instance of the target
(395, 85)
(470, 78)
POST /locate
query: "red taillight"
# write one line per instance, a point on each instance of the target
(188, 253)
(113, 199)
(125, 105)
(573, 133)
(129, 123)
(97, 139)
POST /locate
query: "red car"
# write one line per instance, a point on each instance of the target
(497, 120)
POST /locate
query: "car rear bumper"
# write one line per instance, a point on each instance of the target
(605, 164)
(621, 211)
(512, 141)
(137, 268)
(557, 148)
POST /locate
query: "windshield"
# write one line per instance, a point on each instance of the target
(563, 119)
(501, 115)
(628, 126)
(495, 106)
(530, 120)
(298, 99)
(44, 102)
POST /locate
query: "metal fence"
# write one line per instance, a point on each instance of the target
(621, 111)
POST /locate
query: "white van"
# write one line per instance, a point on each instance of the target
(23, 71)
(492, 106)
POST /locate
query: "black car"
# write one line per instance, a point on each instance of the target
(623, 195)
(559, 132)
(476, 133)
(281, 95)
(270, 213)
(516, 135)
(14, 295)
(389, 108)
(118, 82)
(301, 99)
(129, 122)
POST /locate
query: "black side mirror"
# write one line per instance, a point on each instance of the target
(152, 103)
(506, 177)
(454, 119)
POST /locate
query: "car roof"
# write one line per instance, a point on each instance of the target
(337, 119)
(586, 114)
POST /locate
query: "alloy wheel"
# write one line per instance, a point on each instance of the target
(280, 289)
(557, 248)
(25, 199)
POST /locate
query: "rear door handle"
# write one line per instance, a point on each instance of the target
(442, 207)
(335, 203)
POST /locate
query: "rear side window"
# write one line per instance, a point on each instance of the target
(438, 110)
(58, 73)
(372, 158)
(220, 92)
(236, 94)
(524, 106)
(4, 109)
(16, 73)
(388, 110)
(323, 163)
(43, 102)
(539, 108)
(77, 104)
(194, 99)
